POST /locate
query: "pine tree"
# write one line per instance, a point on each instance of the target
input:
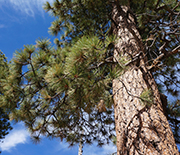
(5, 126)
(113, 55)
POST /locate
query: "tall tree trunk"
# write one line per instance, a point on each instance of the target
(141, 128)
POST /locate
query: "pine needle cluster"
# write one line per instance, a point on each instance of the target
(56, 91)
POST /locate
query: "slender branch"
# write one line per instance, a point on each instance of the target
(162, 56)
(135, 58)
(174, 51)
(108, 60)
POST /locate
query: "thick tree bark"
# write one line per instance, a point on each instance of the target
(141, 129)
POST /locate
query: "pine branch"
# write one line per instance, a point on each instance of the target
(163, 56)
(108, 60)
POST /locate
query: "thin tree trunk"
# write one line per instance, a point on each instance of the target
(141, 129)
(80, 151)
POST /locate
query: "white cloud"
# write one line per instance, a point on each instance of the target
(109, 149)
(25, 7)
(14, 138)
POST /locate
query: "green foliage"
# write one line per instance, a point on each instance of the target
(147, 98)
(114, 140)
(5, 126)
(56, 90)
(153, 18)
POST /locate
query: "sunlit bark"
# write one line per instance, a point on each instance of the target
(141, 128)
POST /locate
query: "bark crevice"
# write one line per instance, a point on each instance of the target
(140, 128)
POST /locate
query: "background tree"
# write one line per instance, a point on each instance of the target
(65, 90)
(5, 126)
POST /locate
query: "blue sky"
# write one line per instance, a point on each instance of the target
(21, 23)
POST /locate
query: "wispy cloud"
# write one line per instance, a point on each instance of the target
(87, 149)
(62, 146)
(94, 150)
(14, 138)
(25, 7)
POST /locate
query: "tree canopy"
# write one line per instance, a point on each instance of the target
(66, 90)
(5, 126)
